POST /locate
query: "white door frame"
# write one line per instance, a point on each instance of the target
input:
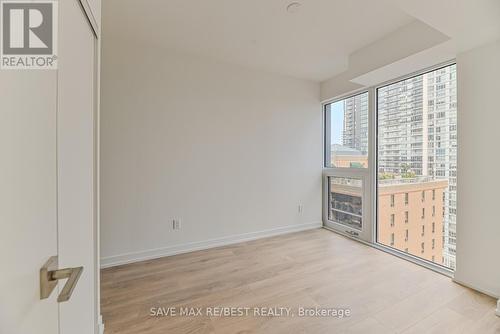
(88, 16)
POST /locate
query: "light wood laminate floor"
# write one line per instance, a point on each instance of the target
(316, 268)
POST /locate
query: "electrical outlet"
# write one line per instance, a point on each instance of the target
(176, 224)
(301, 208)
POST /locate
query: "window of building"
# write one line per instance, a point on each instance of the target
(406, 198)
(433, 243)
(423, 230)
(422, 249)
(423, 213)
(392, 219)
(406, 217)
(433, 211)
(423, 195)
(392, 239)
(392, 200)
(406, 235)
(433, 194)
(433, 227)
(346, 201)
(346, 132)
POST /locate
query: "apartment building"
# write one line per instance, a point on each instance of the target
(355, 134)
(410, 216)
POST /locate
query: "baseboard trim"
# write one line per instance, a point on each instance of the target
(470, 286)
(101, 325)
(116, 260)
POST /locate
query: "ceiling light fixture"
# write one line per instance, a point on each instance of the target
(293, 7)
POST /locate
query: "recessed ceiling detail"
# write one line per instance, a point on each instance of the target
(318, 44)
(314, 43)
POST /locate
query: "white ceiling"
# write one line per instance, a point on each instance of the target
(314, 43)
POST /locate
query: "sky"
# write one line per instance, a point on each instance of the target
(337, 119)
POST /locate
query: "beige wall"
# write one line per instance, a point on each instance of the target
(227, 150)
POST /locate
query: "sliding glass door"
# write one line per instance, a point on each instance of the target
(346, 175)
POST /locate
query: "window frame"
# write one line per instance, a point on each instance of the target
(366, 234)
(327, 129)
(370, 174)
(440, 268)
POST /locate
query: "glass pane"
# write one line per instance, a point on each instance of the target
(347, 145)
(345, 201)
(417, 165)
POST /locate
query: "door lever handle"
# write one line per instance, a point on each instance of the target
(49, 275)
(73, 275)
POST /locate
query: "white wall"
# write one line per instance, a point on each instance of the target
(478, 222)
(225, 149)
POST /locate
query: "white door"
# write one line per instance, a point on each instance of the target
(28, 201)
(48, 184)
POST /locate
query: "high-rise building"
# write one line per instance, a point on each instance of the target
(417, 136)
(355, 132)
(442, 155)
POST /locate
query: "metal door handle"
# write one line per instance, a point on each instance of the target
(49, 275)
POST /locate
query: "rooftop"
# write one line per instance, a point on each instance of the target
(338, 149)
